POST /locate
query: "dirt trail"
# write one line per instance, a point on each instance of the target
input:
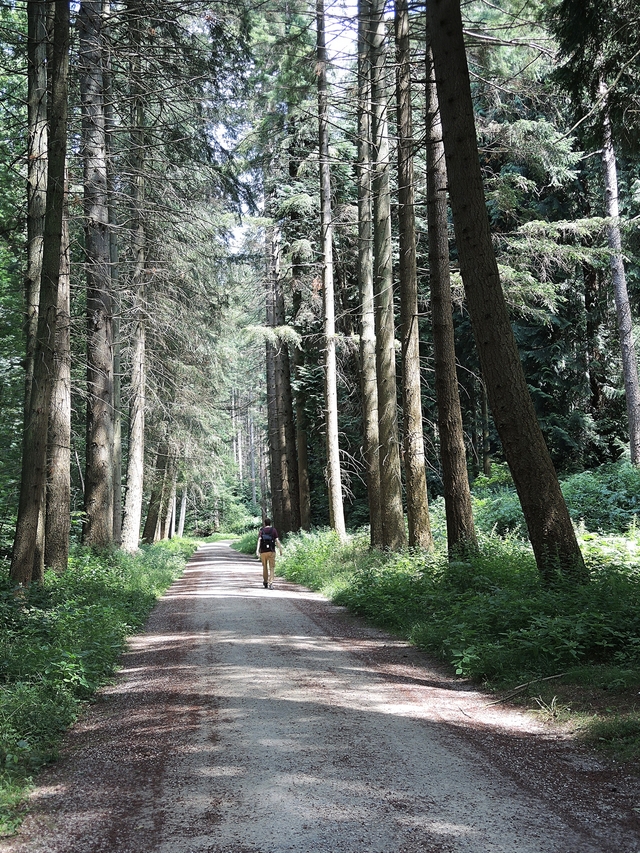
(255, 721)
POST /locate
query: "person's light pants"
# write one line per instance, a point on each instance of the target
(268, 565)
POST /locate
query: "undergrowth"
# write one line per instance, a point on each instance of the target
(60, 642)
(492, 619)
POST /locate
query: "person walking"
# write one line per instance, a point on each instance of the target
(266, 550)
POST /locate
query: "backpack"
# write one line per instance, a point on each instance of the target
(267, 539)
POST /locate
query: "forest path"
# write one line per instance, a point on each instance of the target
(248, 720)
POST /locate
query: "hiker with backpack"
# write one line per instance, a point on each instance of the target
(266, 550)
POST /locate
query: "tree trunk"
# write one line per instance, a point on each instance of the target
(334, 476)
(393, 532)
(550, 529)
(264, 488)
(486, 449)
(98, 529)
(369, 380)
(414, 457)
(275, 459)
(110, 131)
(58, 503)
(155, 501)
(36, 174)
(34, 458)
(594, 357)
(457, 495)
(252, 460)
(132, 515)
(174, 505)
(135, 457)
(183, 512)
(304, 489)
(168, 503)
(284, 409)
(37, 41)
(619, 280)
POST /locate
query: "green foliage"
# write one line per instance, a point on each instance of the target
(604, 500)
(620, 735)
(491, 618)
(247, 544)
(61, 641)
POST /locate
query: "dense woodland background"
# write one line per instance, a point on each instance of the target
(191, 351)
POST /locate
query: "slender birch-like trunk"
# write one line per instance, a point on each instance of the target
(414, 456)
(183, 512)
(114, 259)
(132, 515)
(619, 281)
(275, 459)
(393, 532)
(334, 477)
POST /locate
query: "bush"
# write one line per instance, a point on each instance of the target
(491, 618)
(62, 640)
(606, 499)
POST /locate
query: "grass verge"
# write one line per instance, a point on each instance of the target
(493, 620)
(60, 642)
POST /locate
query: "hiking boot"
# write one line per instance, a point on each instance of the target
(270, 586)
(264, 584)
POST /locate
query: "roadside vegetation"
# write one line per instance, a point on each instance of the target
(569, 652)
(60, 642)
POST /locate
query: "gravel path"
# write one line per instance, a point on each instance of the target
(253, 721)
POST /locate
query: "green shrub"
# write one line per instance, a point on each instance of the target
(491, 618)
(606, 499)
(61, 640)
(500, 512)
(247, 544)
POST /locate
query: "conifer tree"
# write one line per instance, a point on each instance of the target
(550, 529)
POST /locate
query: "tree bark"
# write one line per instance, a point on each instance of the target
(33, 481)
(58, 503)
(594, 357)
(168, 502)
(414, 456)
(619, 281)
(334, 476)
(36, 174)
(304, 489)
(393, 532)
(183, 512)
(284, 408)
(98, 529)
(550, 530)
(132, 515)
(155, 501)
(457, 494)
(277, 512)
(484, 413)
(369, 379)
(114, 259)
